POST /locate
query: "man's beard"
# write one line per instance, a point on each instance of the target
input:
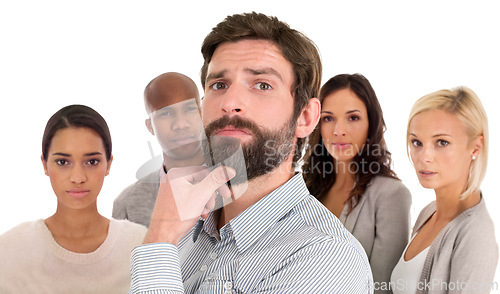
(264, 153)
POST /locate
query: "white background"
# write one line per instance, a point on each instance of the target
(103, 53)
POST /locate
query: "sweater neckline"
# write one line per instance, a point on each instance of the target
(80, 258)
(432, 210)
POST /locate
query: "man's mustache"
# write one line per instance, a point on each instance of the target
(235, 121)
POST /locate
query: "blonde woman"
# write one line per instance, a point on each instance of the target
(453, 247)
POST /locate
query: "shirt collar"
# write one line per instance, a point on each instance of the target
(254, 221)
(162, 172)
(209, 225)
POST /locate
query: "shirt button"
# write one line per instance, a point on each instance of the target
(203, 268)
(228, 286)
(213, 255)
(227, 292)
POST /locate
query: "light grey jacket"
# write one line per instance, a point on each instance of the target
(464, 255)
(381, 223)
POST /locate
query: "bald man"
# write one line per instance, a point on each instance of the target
(172, 103)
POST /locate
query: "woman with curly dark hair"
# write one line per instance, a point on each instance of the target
(348, 168)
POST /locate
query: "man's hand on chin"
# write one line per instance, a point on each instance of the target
(184, 195)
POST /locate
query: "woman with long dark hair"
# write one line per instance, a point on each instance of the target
(348, 168)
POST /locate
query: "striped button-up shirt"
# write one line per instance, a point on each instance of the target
(287, 242)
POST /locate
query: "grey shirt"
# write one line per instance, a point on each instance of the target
(137, 201)
(381, 223)
(464, 255)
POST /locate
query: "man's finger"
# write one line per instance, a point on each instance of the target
(217, 178)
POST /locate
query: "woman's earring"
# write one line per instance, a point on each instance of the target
(473, 157)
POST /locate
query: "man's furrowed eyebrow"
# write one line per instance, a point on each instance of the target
(216, 75)
(263, 71)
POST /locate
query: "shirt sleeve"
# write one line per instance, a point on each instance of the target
(155, 269)
(326, 267)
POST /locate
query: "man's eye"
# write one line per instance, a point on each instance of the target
(191, 109)
(166, 113)
(219, 86)
(264, 86)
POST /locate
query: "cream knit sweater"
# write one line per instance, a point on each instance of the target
(32, 262)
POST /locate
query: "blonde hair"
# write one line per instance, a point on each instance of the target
(466, 106)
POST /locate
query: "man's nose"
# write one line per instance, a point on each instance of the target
(235, 100)
(180, 122)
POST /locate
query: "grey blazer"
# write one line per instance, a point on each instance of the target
(381, 223)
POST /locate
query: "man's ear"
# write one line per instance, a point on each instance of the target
(149, 126)
(44, 163)
(308, 118)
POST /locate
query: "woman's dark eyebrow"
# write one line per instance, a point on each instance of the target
(61, 154)
(69, 155)
(352, 111)
(348, 112)
(93, 153)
